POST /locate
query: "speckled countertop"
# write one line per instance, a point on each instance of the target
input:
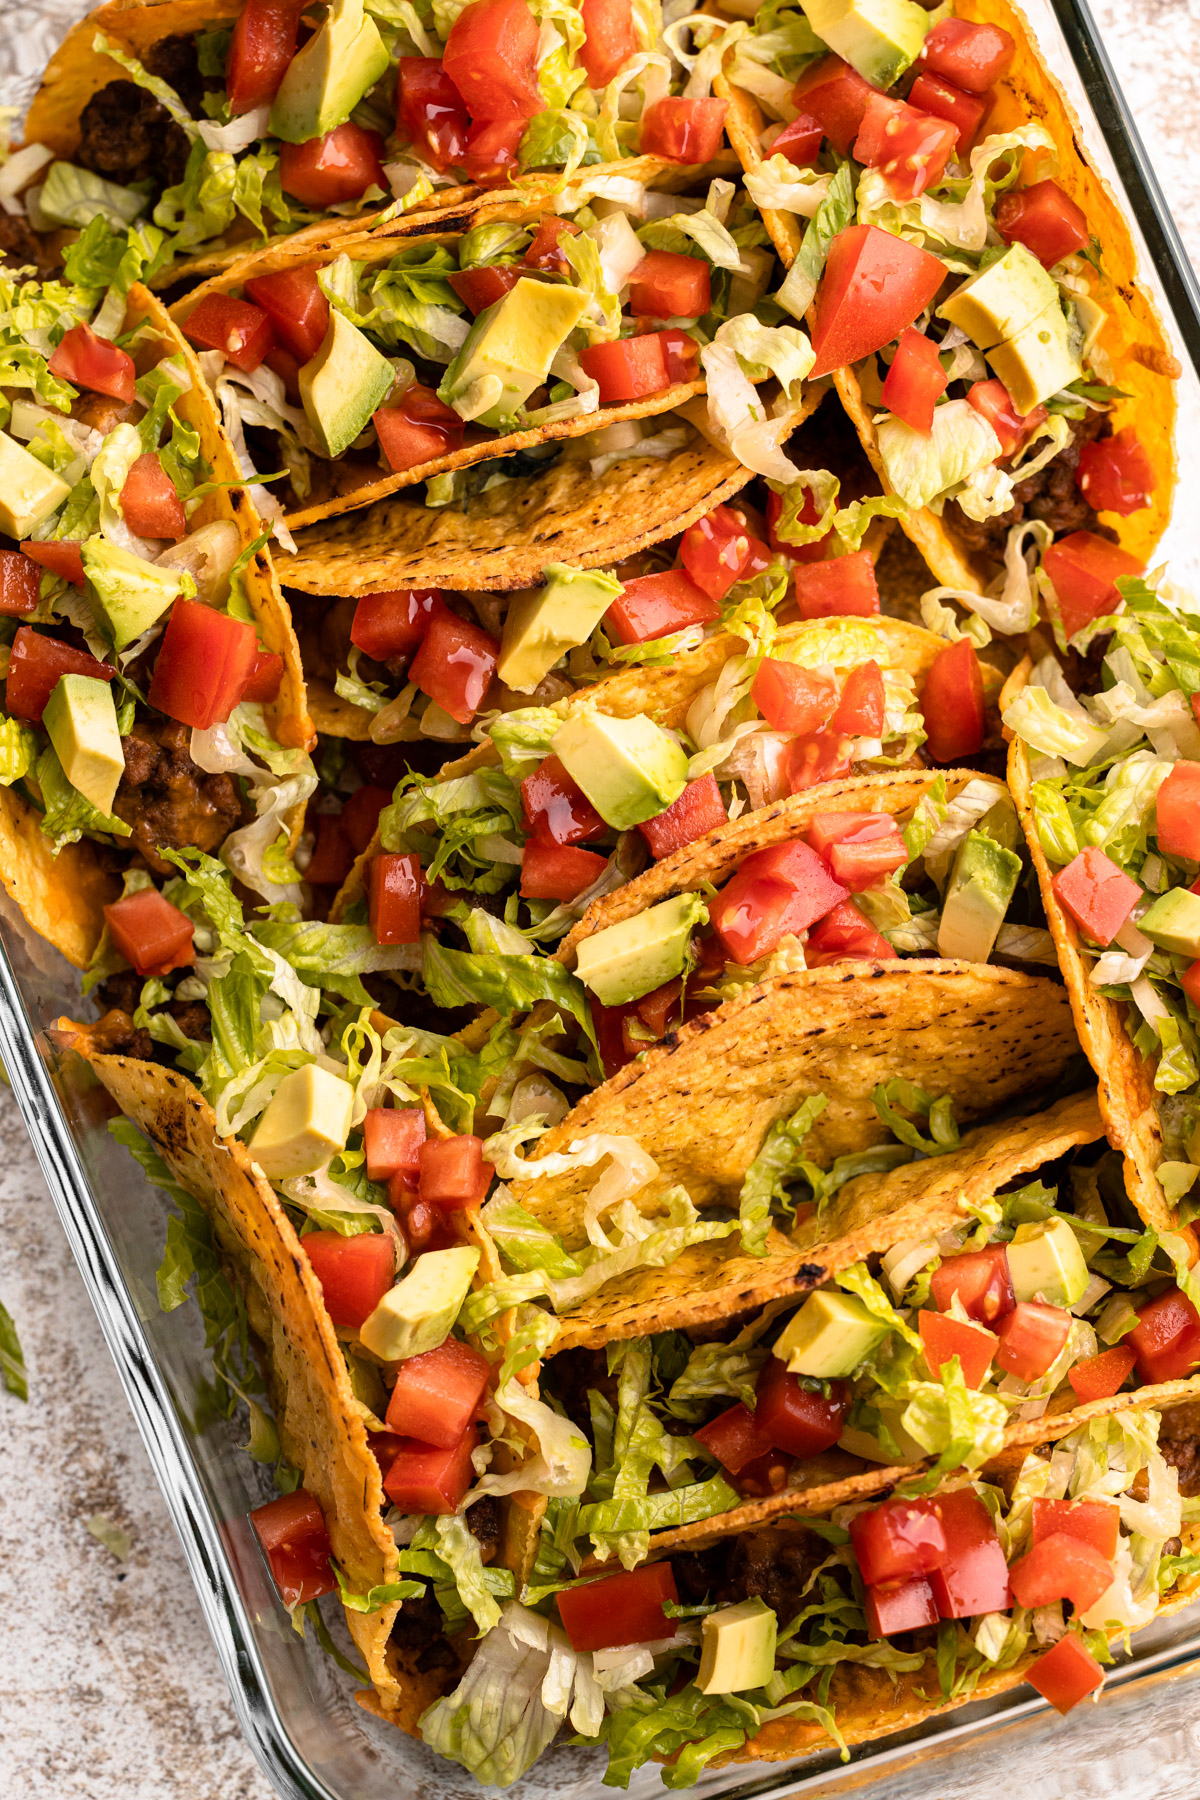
(109, 1686)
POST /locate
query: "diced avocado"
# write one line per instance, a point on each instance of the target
(879, 38)
(629, 769)
(1046, 1263)
(981, 886)
(306, 1122)
(81, 722)
(1041, 359)
(630, 959)
(417, 1314)
(329, 75)
(1000, 823)
(366, 1384)
(737, 1648)
(1002, 299)
(346, 381)
(29, 491)
(130, 592)
(1173, 922)
(830, 1335)
(544, 623)
(509, 349)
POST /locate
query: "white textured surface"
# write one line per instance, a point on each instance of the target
(109, 1687)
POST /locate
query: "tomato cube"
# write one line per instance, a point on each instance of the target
(1097, 1377)
(491, 154)
(980, 1279)
(1166, 1338)
(89, 361)
(243, 333)
(354, 1272)
(775, 893)
(430, 111)
(361, 813)
(800, 141)
(491, 57)
(792, 698)
(620, 1609)
(682, 130)
(204, 662)
(952, 703)
(150, 933)
(993, 401)
(655, 1008)
(1045, 219)
(555, 807)
(392, 623)
(893, 1606)
(1061, 1567)
(291, 1533)
(36, 662)
(395, 899)
(1032, 1337)
(915, 381)
(735, 1437)
(627, 368)
(1085, 570)
(392, 1139)
(809, 514)
(972, 1577)
(841, 587)
(262, 46)
(384, 1447)
(1114, 474)
(698, 810)
(909, 148)
(333, 855)
(1178, 813)
(20, 584)
(426, 1478)
(945, 101)
(1067, 1674)
(546, 251)
(417, 428)
(862, 709)
(836, 96)
(843, 933)
(609, 39)
(943, 1337)
(455, 663)
(328, 171)
(437, 1394)
(815, 757)
(1094, 1522)
(765, 1476)
(298, 310)
(62, 556)
(874, 285)
(718, 551)
(971, 56)
(558, 871)
(149, 502)
(1096, 894)
(668, 285)
(898, 1540)
(860, 848)
(654, 606)
(265, 677)
(453, 1173)
(480, 288)
(796, 1418)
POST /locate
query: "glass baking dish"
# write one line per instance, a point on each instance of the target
(297, 1711)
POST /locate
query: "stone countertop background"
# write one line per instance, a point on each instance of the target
(109, 1684)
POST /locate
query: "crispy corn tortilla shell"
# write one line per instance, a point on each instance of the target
(61, 897)
(1127, 1096)
(701, 1102)
(1133, 335)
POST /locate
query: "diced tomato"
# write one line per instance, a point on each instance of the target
(1061, 1567)
(735, 1437)
(491, 154)
(437, 1394)
(426, 1227)
(909, 148)
(1114, 474)
(1094, 1522)
(765, 1476)
(430, 111)
(546, 251)
(1189, 981)
(796, 1418)
(972, 1577)
(262, 46)
(287, 368)
(718, 551)
(862, 709)
(792, 698)
(266, 674)
(654, 606)
(1067, 1674)
(552, 871)
(915, 381)
(392, 623)
(971, 56)
(394, 889)
(897, 1540)
(778, 891)
(453, 1172)
(859, 847)
(1097, 1377)
(150, 933)
(360, 815)
(655, 1008)
(482, 287)
(292, 1534)
(1096, 894)
(1178, 813)
(836, 96)
(809, 514)
(668, 285)
(945, 101)
(609, 1022)
(698, 810)
(1085, 569)
(874, 285)
(241, 332)
(203, 664)
(609, 39)
(424, 1478)
(456, 661)
(149, 502)
(89, 361)
(35, 664)
(627, 368)
(899, 1606)
(842, 933)
(355, 1272)
(328, 170)
(620, 1609)
(384, 1447)
(841, 587)
(392, 1139)
(952, 703)
(993, 401)
(686, 131)
(416, 428)
(62, 556)
(943, 1337)
(556, 808)
(1032, 1337)
(20, 584)
(297, 308)
(816, 757)
(1166, 1338)
(681, 352)
(981, 1280)
(800, 141)
(333, 856)
(1045, 219)
(491, 57)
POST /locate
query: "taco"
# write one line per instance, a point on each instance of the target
(122, 737)
(210, 119)
(1066, 429)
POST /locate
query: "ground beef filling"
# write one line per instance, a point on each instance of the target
(1051, 495)
(116, 1034)
(773, 1563)
(168, 801)
(21, 248)
(419, 1632)
(126, 136)
(1179, 1441)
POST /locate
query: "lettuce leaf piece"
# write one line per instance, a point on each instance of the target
(936, 1109)
(74, 196)
(780, 1161)
(333, 957)
(526, 1244)
(924, 465)
(18, 749)
(66, 815)
(510, 984)
(832, 217)
(376, 1598)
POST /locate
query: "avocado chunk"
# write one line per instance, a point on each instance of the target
(366, 1384)
(632, 958)
(1039, 360)
(1002, 299)
(346, 381)
(130, 592)
(857, 1442)
(417, 1314)
(508, 350)
(879, 38)
(544, 623)
(981, 886)
(1046, 1263)
(737, 1648)
(29, 491)
(329, 75)
(1173, 922)
(1000, 822)
(629, 769)
(830, 1336)
(306, 1122)
(81, 722)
